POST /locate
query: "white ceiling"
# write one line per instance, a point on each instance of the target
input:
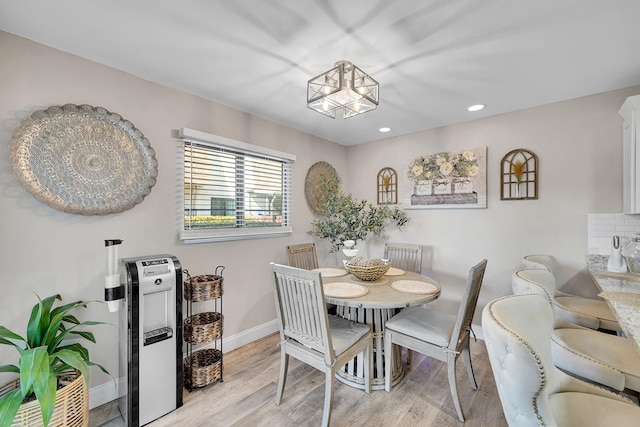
(432, 58)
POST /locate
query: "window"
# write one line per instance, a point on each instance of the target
(233, 190)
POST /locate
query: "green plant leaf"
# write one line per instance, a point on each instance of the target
(55, 325)
(64, 332)
(33, 361)
(9, 405)
(45, 386)
(74, 360)
(39, 320)
(78, 348)
(85, 334)
(9, 368)
(8, 337)
(102, 368)
(70, 318)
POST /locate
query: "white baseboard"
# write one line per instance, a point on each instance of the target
(104, 393)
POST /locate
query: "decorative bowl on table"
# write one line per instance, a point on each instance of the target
(367, 269)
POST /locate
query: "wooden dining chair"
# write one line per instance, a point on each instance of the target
(404, 256)
(303, 256)
(439, 335)
(588, 312)
(605, 359)
(311, 335)
(533, 392)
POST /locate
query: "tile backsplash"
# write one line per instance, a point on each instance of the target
(601, 227)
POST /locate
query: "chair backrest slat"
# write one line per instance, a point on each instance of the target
(302, 311)
(303, 256)
(468, 304)
(404, 256)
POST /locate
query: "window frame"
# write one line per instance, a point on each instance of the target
(186, 136)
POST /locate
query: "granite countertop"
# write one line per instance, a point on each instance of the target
(622, 293)
(597, 262)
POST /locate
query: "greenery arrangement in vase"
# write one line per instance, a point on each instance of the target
(350, 219)
(45, 355)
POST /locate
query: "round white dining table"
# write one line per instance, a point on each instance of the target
(381, 302)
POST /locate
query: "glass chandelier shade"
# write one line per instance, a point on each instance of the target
(344, 87)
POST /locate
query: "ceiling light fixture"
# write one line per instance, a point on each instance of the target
(344, 87)
(476, 107)
(385, 129)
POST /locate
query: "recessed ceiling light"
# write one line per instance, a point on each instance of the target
(385, 129)
(476, 107)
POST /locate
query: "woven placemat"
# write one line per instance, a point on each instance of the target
(627, 298)
(344, 290)
(394, 272)
(331, 272)
(622, 276)
(414, 287)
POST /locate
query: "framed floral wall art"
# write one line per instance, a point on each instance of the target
(448, 180)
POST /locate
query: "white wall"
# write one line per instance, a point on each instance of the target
(579, 148)
(46, 251)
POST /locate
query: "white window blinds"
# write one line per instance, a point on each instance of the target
(233, 190)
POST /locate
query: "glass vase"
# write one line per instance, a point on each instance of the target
(631, 253)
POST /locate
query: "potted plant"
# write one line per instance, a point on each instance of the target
(350, 219)
(44, 357)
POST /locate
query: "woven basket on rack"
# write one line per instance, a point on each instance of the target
(71, 408)
(367, 269)
(203, 288)
(203, 327)
(203, 367)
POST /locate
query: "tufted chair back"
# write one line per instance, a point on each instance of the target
(539, 262)
(517, 332)
(540, 282)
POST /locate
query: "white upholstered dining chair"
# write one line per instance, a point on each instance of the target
(404, 256)
(442, 336)
(606, 359)
(588, 312)
(311, 335)
(533, 392)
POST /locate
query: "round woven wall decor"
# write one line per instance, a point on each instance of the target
(83, 160)
(314, 191)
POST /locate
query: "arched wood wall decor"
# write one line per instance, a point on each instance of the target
(387, 187)
(519, 175)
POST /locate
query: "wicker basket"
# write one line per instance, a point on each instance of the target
(367, 269)
(203, 367)
(203, 327)
(203, 288)
(71, 409)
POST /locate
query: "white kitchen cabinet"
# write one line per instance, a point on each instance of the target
(630, 112)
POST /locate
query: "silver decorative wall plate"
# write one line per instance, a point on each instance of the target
(83, 160)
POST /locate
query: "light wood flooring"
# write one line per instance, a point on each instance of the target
(246, 397)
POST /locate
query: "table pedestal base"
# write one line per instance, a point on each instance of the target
(353, 372)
